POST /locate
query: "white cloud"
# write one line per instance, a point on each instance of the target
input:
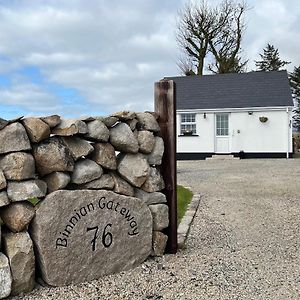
(30, 97)
(112, 52)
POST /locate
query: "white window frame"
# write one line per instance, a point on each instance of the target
(188, 122)
(222, 125)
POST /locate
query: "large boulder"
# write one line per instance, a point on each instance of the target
(150, 198)
(122, 138)
(86, 170)
(155, 157)
(68, 127)
(160, 214)
(18, 248)
(97, 131)
(134, 168)
(52, 155)
(57, 181)
(17, 216)
(146, 141)
(148, 122)
(37, 130)
(4, 199)
(82, 235)
(15, 138)
(18, 166)
(104, 155)
(154, 182)
(121, 186)
(78, 147)
(52, 121)
(159, 242)
(5, 277)
(124, 115)
(23, 190)
(109, 121)
(104, 182)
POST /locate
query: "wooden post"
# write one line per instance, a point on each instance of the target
(165, 107)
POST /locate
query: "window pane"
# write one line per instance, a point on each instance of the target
(188, 123)
(187, 118)
(222, 125)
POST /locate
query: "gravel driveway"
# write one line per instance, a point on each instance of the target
(244, 242)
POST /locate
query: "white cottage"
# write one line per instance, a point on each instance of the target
(247, 115)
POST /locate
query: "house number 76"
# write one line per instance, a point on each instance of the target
(107, 237)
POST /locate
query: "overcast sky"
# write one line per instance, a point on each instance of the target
(95, 57)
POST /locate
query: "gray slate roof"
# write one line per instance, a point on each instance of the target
(254, 89)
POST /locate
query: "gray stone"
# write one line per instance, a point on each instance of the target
(104, 182)
(97, 131)
(18, 166)
(122, 138)
(23, 190)
(150, 198)
(86, 170)
(108, 121)
(121, 186)
(78, 147)
(3, 123)
(104, 155)
(5, 277)
(160, 214)
(82, 235)
(155, 157)
(124, 115)
(17, 216)
(17, 119)
(148, 122)
(18, 248)
(2, 181)
(132, 124)
(52, 121)
(159, 242)
(15, 138)
(37, 130)
(146, 141)
(52, 155)
(4, 199)
(154, 182)
(57, 181)
(134, 168)
(69, 127)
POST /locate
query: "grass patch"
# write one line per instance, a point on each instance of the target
(184, 197)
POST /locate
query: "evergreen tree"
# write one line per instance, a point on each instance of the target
(295, 86)
(270, 60)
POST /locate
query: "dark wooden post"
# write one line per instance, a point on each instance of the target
(165, 107)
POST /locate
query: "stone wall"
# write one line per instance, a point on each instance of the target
(79, 198)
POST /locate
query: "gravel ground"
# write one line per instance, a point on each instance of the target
(244, 242)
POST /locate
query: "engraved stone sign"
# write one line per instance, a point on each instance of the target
(84, 234)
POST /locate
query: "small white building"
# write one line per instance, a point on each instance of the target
(247, 115)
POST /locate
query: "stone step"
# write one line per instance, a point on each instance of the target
(222, 157)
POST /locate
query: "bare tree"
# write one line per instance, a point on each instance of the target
(226, 45)
(203, 29)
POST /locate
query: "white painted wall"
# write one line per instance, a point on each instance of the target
(273, 136)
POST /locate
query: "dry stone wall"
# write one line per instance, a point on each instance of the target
(79, 199)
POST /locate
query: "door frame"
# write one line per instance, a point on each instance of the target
(224, 136)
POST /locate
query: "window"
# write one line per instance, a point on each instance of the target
(222, 124)
(188, 124)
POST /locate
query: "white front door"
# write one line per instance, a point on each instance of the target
(222, 133)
